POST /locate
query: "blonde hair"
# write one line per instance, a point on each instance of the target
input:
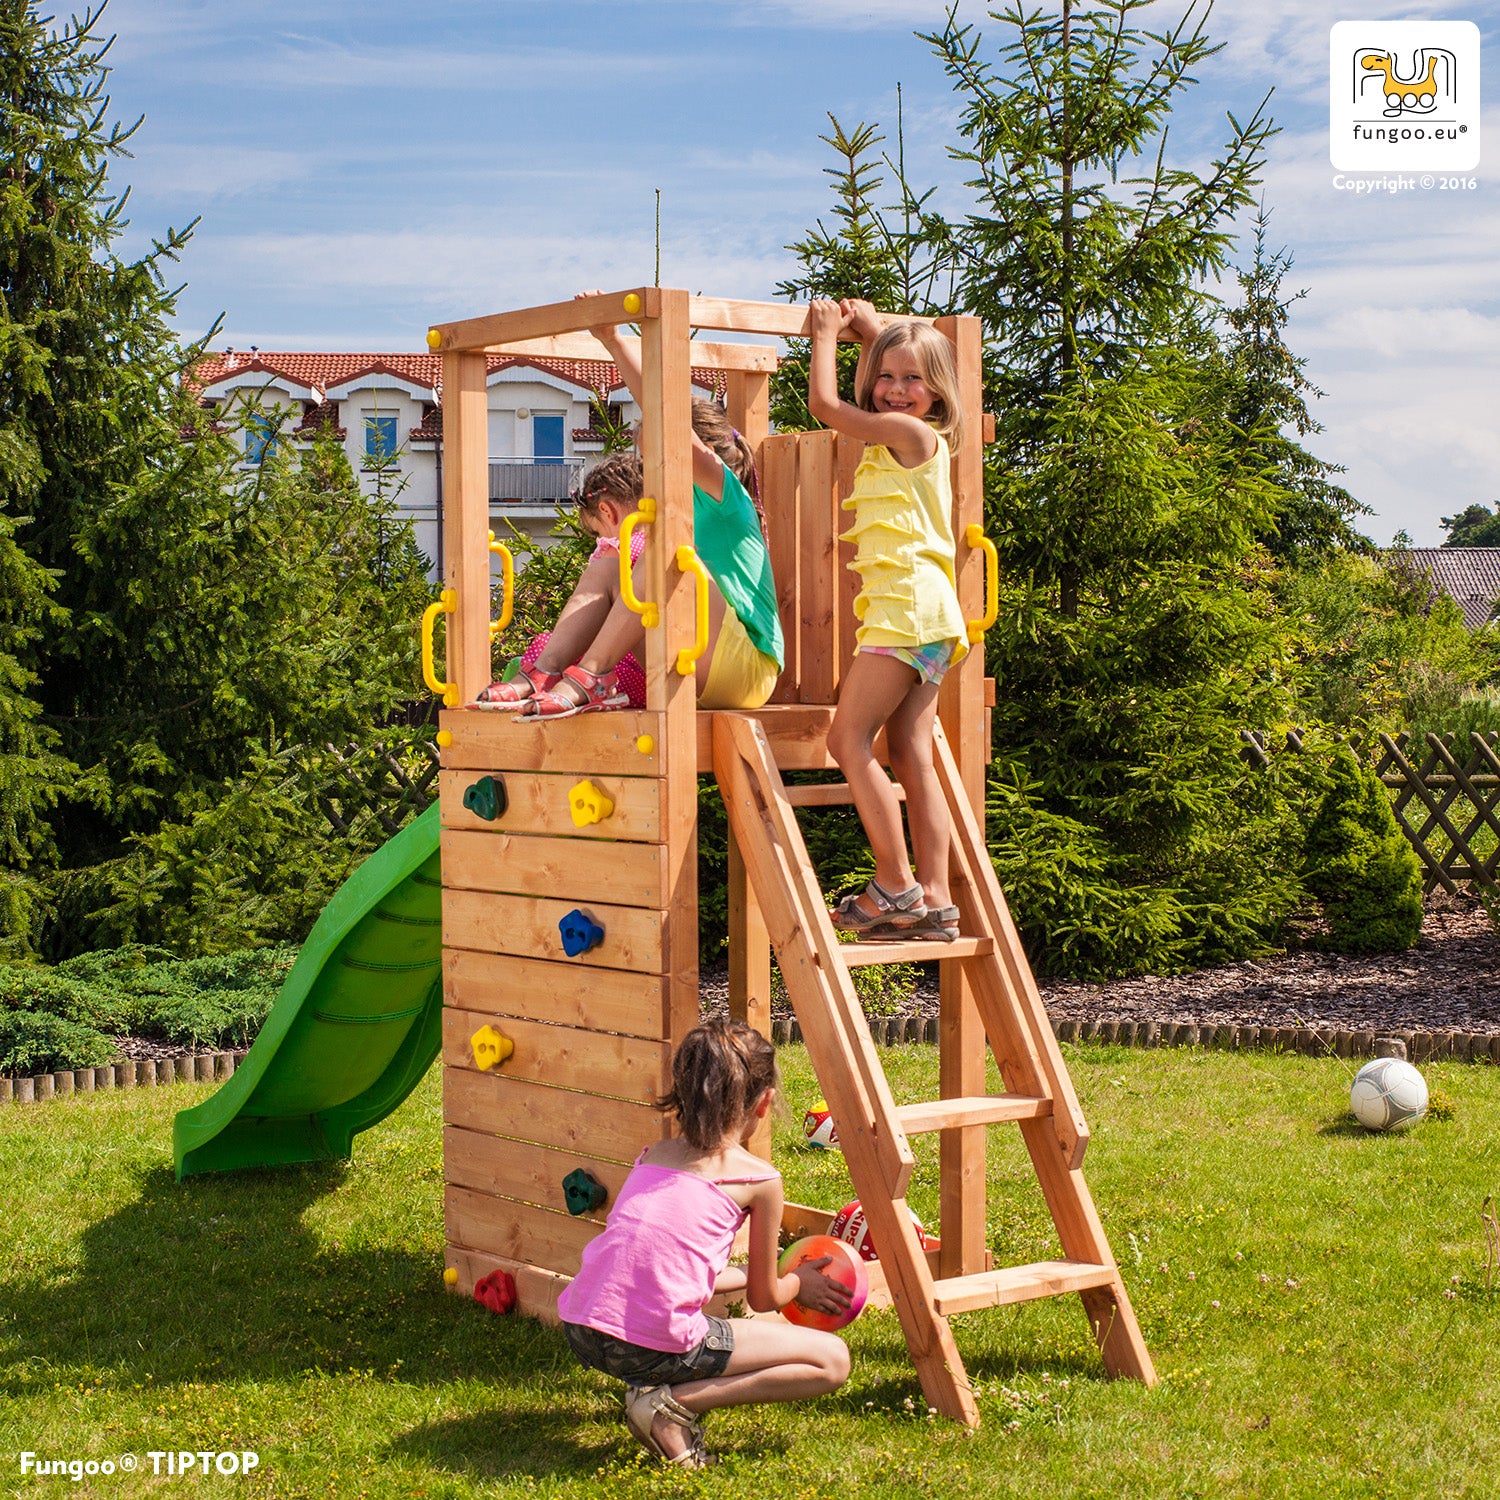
(711, 423)
(934, 356)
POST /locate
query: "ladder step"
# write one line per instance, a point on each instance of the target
(830, 794)
(911, 950)
(950, 1114)
(1000, 1288)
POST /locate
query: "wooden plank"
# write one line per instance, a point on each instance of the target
(749, 967)
(817, 566)
(572, 316)
(526, 927)
(797, 733)
(747, 396)
(848, 453)
(540, 803)
(951, 1114)
(591, 1125)
(666, 456)
(537, 1289)
(911, 950)
(517, 1231)
(625, 874)
(1011, 1284)
(466, 512)
(778, 479)
(595, 1062)
(569, 991)
(603, 744)
(729, 315)
(736, 358)
(525, 1170)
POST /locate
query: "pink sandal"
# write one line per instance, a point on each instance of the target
(600, 690)
(512, 695)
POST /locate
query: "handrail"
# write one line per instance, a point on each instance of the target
(508, 578)
(649, 613)
(975, 537)
(688, 561)
(444, 604)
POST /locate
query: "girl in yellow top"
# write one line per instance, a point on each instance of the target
(911, 628)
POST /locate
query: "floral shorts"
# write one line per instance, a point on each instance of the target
(636, 1365)
(929, 662)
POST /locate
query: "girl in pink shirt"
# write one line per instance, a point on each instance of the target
(636, 1308)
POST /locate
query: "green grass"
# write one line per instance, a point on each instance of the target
(301, 1314)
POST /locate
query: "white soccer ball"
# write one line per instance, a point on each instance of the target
(849, 1225)
(818, 1126)
(1388, 1094)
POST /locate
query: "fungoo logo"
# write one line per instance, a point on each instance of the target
(1404, 95)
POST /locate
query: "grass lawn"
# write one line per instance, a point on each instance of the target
(1314, 1298)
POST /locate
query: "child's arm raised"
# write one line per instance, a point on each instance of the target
(909, 438)
(765, 1289)
(708, 468)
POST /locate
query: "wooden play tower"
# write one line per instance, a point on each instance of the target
(593, 1032)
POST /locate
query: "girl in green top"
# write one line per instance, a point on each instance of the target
(745, 652)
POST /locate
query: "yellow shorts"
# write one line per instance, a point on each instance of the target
(739, 676)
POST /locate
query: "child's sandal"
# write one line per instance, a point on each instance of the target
(527, 684)
(599, 690)
(644, 1403)
(892, 911)
(940, 925)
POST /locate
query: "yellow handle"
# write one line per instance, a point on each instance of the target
(445, 604)
(689, 562)
(508, 576)
(649, 613)
(975, 537)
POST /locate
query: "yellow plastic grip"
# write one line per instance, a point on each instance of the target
(445, 604)
(508, 577)
(649, 613)
(689, 562)
(975, 537)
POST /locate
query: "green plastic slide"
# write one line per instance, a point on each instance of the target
(356, 1025)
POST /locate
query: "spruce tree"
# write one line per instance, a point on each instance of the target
(203, 617)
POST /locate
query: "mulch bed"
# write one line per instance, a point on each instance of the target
(1449, 982)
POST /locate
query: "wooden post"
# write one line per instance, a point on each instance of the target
(666, 456)
(466, 521)
(961, 708)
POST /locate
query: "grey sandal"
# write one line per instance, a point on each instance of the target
(939, 925)
(644, 1403)
(891, 910)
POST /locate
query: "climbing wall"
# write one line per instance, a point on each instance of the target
(555, 931)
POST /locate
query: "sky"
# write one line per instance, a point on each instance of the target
(360, 172)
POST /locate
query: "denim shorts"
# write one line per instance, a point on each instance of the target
(636, 1365)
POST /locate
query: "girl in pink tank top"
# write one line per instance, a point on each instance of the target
(637, 1308)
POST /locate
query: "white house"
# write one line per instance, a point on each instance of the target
(386, 410)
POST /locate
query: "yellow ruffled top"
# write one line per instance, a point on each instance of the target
(904, 552)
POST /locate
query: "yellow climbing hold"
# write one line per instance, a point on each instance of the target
(645, 744)
(632, 303)
(434, 339)
(444, 738)
(588, 804)
(450, 1277)
(489, 1048)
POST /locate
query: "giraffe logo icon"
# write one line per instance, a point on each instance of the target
(1404, 96)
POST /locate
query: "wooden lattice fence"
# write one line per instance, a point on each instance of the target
(1447, 800)
(387, 784)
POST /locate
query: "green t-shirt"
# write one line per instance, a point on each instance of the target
(728, 537)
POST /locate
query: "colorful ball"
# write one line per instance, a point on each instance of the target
(818, 1126)
(845, 1266)
(1388, 1094)
(850, 1226)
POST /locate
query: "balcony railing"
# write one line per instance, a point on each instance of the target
(533, 480)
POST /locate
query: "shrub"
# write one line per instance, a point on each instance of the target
(1360, 865)
(35, 1042)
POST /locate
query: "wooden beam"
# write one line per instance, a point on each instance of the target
(702, 355)
(573, 316)
(466, 521)
(784, 319)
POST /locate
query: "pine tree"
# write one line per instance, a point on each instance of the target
(1474, 526)
(201, 615)
(1138, 635)
(1268, 392)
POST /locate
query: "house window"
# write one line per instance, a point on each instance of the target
(547, 437)
(380, 439)
(260, 439)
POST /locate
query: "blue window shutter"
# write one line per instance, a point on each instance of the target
(547, 439)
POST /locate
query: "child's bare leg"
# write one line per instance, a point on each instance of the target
(771, 1361)
(583, 615)
(622, 631)
(908, 736)
(873, 690)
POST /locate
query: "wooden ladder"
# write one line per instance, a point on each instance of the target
(873, 1129)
